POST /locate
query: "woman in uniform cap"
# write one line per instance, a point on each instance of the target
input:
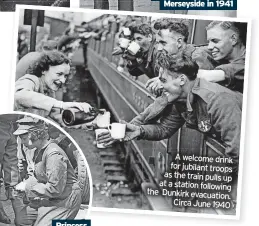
(52, 190)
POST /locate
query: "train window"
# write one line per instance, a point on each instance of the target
(199, 35)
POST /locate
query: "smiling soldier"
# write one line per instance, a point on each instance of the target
(197, 103)
(227, 46)
(225, 66)
(143, 61)
(222, 61)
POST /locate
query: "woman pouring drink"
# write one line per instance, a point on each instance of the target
(35, 91)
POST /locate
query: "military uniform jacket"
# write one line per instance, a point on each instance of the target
(202, 57)
(54, 177)
(210, 108)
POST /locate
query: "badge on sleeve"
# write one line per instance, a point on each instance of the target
(204, 126)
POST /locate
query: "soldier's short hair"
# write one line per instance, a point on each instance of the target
(239, 28)
(143, 29)
(176, 25)
(181, 64)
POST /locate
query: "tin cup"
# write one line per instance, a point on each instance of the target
(126, 31)
(117, 130)
(103, 120)
(133, 48)
(124, 43)
(97, 133)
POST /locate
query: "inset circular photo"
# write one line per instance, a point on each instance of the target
(44, 174)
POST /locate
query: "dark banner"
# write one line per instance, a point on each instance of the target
(198, 4)
(71, 222)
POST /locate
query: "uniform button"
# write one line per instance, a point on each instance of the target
(214, 135)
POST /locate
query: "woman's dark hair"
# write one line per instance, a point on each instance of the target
(51, 58)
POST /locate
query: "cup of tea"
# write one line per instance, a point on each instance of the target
(120, 69)
(126, 31)
(117, 130)
(133, 48)
(97, 133)
(103, 120)
(124, 43)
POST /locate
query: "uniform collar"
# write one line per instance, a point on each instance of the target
(189, 102)
(240, 54)
(190, 96)
(150, 52)
(39, 152)
(44, 89)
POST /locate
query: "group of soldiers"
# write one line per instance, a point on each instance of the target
(199, 86)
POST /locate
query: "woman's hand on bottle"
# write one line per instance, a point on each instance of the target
(82, 106)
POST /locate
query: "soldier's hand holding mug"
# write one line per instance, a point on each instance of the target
(105, 138)
(132, 131)
(115, 132)
(122, 131)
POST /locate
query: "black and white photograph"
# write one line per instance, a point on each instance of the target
(148, 6)
(44, 174)
(155, 102)
(9, 5)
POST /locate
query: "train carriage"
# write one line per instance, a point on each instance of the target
(127, 97)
